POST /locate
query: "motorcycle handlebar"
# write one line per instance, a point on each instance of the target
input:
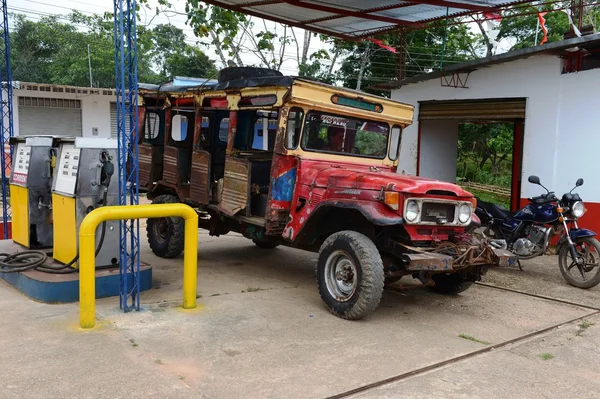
(544, 198)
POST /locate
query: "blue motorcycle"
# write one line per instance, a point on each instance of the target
(528, 232)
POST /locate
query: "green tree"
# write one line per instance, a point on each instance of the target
(367, 65)
(51, 51)
(190, 62)
(523, 27)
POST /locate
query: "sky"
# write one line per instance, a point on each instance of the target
(36, 9)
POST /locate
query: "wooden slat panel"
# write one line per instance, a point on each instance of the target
(477, 110)
(200, 187)
(170, 174)
(235, 186)
(145, 164)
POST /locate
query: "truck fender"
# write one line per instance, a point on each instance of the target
(375, 212)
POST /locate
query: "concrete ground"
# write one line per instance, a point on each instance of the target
(261, 331)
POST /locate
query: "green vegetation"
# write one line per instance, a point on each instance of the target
(472, 338)
(490, 197)
(54, 50)
(584, 325)
(485, 153)
(546, 356)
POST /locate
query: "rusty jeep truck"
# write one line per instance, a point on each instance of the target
(288, 161)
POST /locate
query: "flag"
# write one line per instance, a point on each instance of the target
(492, 22)
(382, 45)
(543, 26)
(493, 16)
(575, 30)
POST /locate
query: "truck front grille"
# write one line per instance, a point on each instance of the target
(436, 212)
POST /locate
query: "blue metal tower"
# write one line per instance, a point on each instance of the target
(6, 117)
(126, 77)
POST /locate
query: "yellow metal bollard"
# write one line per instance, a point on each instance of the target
(87, 240)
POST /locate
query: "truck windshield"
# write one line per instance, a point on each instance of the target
(339, 134)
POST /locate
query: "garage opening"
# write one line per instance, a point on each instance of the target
(475, 143)
(49, 116)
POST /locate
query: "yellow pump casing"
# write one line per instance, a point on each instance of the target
(19, 200)
(65, 228)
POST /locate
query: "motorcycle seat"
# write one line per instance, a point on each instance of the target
(497, 211)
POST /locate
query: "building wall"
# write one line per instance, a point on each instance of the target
(439, 142)
(95, 108)
(560, 133)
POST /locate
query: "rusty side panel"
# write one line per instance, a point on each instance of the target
(170, 174)
(200, 179)
(281, 191)
(235, 186)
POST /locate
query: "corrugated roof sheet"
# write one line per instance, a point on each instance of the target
(352, 19)
(553, 48)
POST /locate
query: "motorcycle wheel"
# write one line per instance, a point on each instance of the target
(584, 275)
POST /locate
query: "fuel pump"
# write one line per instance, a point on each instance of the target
(82, 183)
(30, 190)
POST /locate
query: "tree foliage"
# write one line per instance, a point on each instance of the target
(485, 152)
(55, 50)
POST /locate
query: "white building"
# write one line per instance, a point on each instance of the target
(552, 95)
(44, 109)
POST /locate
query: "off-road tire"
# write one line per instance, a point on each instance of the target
(564, 255)
(450, 284)
(265, 244)
(370, 274)
(171, 245)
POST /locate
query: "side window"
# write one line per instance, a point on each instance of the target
(152, 128)
(224, 129)
(294, 127)
(266, 122)
(179, 127)
(395, 142)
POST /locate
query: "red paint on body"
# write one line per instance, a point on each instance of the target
(348, 185)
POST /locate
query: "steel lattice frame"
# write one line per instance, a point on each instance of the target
(6, 117)
(126, 77)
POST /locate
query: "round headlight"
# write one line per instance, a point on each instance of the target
(412, 211)
(464, 213)
(578, 209)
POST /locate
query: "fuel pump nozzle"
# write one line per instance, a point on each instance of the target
(108, 169)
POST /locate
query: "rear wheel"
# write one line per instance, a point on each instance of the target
(583, 272)
(350, 274)
(166, 235)
(451, 284)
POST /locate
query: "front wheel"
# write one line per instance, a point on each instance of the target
(350, 275)
(583, 272)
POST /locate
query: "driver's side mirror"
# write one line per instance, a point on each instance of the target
(534, 180)
(579, 182)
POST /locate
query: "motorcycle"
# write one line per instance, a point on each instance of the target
(528, 232)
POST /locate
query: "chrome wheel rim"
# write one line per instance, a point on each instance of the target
(341, 277)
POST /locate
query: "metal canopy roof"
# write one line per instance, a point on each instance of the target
(589, 42)
(352, 19)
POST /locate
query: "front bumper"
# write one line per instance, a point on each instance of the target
(458, 258)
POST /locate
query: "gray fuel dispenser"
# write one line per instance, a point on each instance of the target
(30, 190)
(84, 181)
